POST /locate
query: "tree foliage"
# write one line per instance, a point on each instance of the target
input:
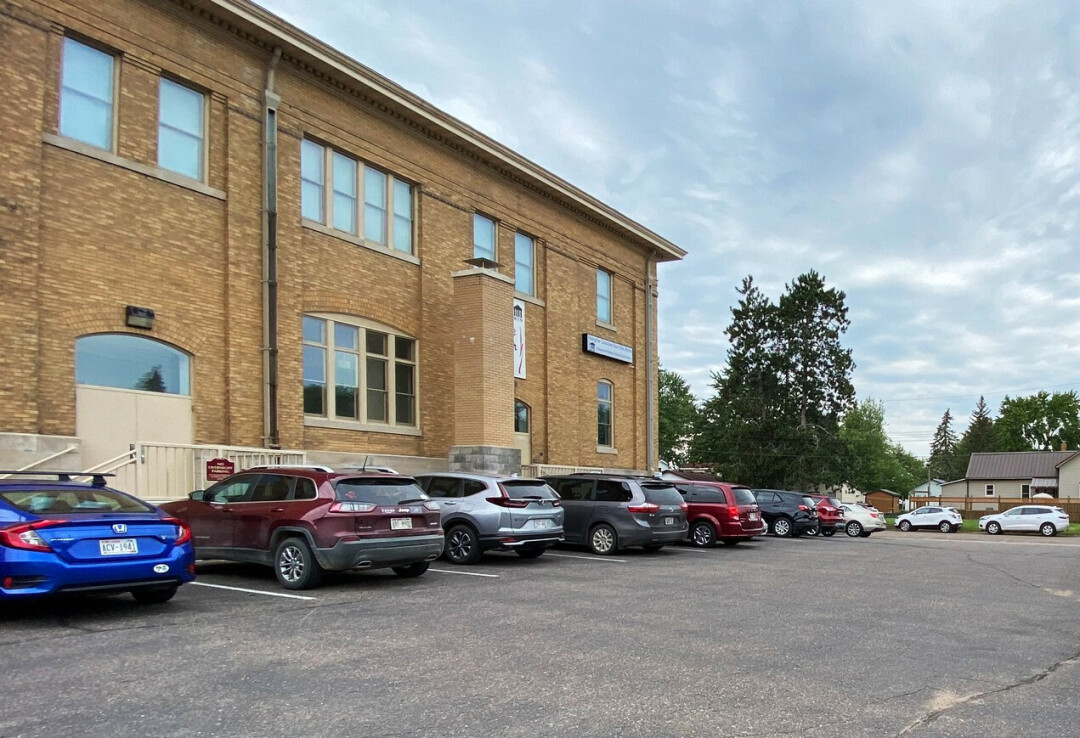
(1039, 422)
(943, 449)
(980, 437)
(151, 380)
(677, 417)
(871, 460)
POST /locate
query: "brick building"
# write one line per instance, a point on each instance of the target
(215, 229)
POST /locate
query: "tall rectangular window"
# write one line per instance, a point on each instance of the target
(375, 206)
(86, 94)
(483, 237)
(314, 332)
(344, 204)
(523, 263)
(403, 222)
(312, 181)
(180, 129)
(405, 379)
(346, 371)
(603, 296)
(377, 394)
(604, 406)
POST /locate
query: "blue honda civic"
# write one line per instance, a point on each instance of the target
(62, 536)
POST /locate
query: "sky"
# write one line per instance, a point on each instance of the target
(924, 156)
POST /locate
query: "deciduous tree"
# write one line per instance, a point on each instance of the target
(677, 417)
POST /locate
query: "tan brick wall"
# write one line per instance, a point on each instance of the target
(93, 237)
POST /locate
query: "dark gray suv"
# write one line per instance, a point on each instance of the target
(607, 512)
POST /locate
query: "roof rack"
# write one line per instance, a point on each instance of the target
(97, 478)
(312, 467)
(365, 468)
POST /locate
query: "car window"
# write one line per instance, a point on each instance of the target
(235, 489)
(610, 490)
(687, 492)
(574, 489)
(808, 501)
(765, 498)
(473, 487)
(444, 487)
(933, 510)
(705, 494)
(1034, 511)
(528, 489)
(833, 501)
(47, 501)
(743, 496)
(270, 488)
(305, 489)
(665, 494)
(389, 491)
(1013, 513)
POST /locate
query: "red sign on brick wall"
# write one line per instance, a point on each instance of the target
(218, 469)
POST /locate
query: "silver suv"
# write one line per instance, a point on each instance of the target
(481, 513)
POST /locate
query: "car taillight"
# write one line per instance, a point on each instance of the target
(733, 513)
(183, 533)
(352, 507)
(683, 506)
(508, 502)
(873, 514)
(25, 536)
(645, 507)
(804, 508)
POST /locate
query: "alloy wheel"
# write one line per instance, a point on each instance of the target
(291, 563)
(603, 540)
(460, 545)
(703, 535)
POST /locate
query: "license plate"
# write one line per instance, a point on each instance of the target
(751, 516)
(400, 523)
(543, 523)
(119, 547)
(669, 521)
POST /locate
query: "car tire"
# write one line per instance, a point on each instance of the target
(652, 547)
(828, 532)
(945, 527)
(730, 541)
(865, 534)
(993, 528)
(462, 545)
(813, 532)
(295, 565)
(533, 552)
(155, 596)
(1048, 529)
(603, 541)
(905, 525)
(783, 527)
(703, 534)
(412, 570)
(853, 529)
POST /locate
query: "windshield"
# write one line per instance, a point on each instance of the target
(528, 489)
(661, 494)
(51, 501)
(809, 502)
(743, 496)
(393, 491)
(833, 501)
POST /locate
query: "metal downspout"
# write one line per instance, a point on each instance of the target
(271, 100)
(650, 366)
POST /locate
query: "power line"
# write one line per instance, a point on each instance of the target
(982, 394)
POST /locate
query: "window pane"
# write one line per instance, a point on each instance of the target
(312, 161)
(405, 393)
(376, 343)
(521, 417)
(376, 390)
(314, 330)
(347, 381)
(131, 362)
(403, 217)
(374, 205)
(314, 380)
(181, 108)
(523, 260)
(178, 152)
(603, 296)
(603, 391)
(403, 348)
(86, 94)
(483, 237)
(346, 336)
(344, 201)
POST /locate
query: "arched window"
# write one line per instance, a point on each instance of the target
(521, 417)
(605, 412)
(131, 362)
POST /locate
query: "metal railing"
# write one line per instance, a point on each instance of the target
(39, 462)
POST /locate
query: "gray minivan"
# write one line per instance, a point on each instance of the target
(607, 512)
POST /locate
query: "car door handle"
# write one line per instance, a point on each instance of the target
(277, 509)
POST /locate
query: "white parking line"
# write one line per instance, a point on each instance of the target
(466, 573)
(588, 558)
(687, 550)
(987, 543)
(253, 591)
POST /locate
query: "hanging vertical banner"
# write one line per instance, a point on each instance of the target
(519, 339)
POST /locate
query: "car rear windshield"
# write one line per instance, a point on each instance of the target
(809, 501)
(395, 491)
(743, 496)
(55, 501)
(661, 494)
(528, 489)
(833, 501)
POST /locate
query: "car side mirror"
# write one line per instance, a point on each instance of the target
(198, 495)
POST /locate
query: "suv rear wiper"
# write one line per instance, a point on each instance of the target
(409, 502)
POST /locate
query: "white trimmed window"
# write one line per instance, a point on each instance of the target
(180, 129)
(603, 296)
(87, 84)
(989, 490)
(605, 406)
(357, 371)
(361, 201)
(524, 249)
(483, 237)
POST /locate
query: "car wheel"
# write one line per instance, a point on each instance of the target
(782, 527)
(295, 565)
(153, 596)
(853, 529)
(993, 528)
(945, 527)
(813, 531)
(652, 547)
(462, 546)
(703, 534)
(730, 541)
(865, 534)
(1048, 529)
(533, 552)
(603, 540)
(828, 532)
(412, 570)
(905, 525)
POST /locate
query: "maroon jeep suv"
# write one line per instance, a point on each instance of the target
(720, 511)
(304, 520)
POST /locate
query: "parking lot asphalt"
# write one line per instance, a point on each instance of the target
(918, 634)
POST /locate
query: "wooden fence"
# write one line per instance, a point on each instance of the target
(976, 507)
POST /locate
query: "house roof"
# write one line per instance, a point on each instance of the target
(1016, 464)
(308, 53)
(886, 491)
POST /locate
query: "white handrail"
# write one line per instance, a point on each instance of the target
(110, 465)
(39, 462)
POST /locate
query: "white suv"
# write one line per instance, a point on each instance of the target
(861, 521)
(1045, 519)
(945, 519)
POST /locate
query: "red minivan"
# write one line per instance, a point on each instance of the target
(720, 511)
